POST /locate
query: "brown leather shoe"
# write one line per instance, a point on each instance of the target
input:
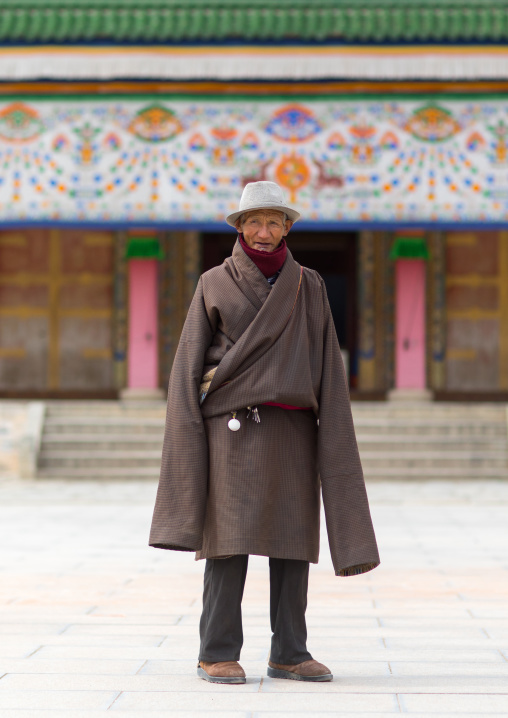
(223, 672)
(306, 671)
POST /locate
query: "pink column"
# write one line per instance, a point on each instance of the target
(410, 324)
(143, 364)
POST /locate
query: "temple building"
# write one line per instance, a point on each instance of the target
(127, 133)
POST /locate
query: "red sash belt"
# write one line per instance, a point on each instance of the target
(286, 406)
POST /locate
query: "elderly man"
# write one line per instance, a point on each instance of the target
(258, 424)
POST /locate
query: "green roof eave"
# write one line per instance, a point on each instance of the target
(175, 21)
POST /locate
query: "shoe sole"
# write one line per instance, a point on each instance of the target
(219, 679)
(277, 673)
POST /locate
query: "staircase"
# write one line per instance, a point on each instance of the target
(427, 440)
(397, 440)
(102, 440)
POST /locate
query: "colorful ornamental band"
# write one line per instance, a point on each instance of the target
(339, 160)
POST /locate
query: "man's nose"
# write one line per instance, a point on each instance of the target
(263, 231)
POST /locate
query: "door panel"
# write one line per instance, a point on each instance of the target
(24, 309)
(143, 331)
(55, 310)
(410, 323)
(477, 310)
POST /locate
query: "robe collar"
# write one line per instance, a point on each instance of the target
(250, 280)
(267, 325)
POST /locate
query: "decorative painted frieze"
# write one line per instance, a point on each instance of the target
(187, 160)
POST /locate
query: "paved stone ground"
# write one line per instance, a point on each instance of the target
(92, 620)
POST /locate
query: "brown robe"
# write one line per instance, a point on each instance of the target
(257, 490)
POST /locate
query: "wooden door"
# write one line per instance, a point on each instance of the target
(25, 301)
(477, 311)
(55, 311)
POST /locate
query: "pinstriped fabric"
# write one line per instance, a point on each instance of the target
(257, 490)
(264, 486)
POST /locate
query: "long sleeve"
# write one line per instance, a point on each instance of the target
(180, 505)
(348, 521)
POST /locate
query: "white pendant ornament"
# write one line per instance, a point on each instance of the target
(233, 423)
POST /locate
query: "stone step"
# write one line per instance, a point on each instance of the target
(78, 457)
(101, 472)
(111, 442)
(122, 420)
(109, 410)
(379, 459)
(387, 462)
(113, 411)
(432, 473)
(108, 440)
(433, 411)
(387, 443)
(391, 447)
(432, 430)
(122, 433)
(430, 420)
(152, 472)
(150, 428)
(428, 439)
(62, 425)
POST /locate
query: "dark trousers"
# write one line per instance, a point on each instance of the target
(220, 628)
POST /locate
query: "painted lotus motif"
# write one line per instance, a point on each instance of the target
(293, 123)
(432, 124)
(155, 124)
(19, 123)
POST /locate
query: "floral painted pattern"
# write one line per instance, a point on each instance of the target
(186, 161)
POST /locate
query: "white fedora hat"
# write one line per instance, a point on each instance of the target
(262, 195)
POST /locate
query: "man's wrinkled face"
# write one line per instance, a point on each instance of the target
(263, 229)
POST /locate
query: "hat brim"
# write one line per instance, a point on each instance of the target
(292, 214)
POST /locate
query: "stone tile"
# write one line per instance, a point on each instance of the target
(17, 649)
(131, 629)
(79, 667)
(455, 704)
(55, 700)
(237, 699)
(30, 629)
(96, 682)
(126, 608)
(332, 712)
(395, 684)
(436, 642)
(98, 640)
(187, 654)
(69, 713)
(454, 669)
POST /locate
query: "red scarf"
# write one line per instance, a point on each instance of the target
(268, 263)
